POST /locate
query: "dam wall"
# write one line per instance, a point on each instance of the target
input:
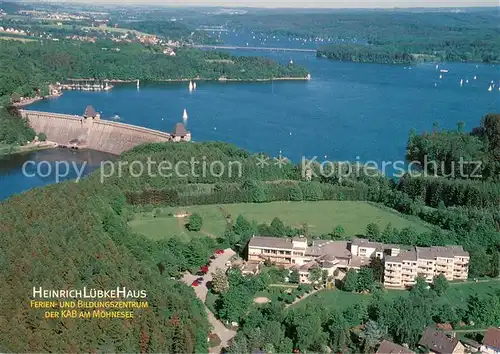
(92, 133)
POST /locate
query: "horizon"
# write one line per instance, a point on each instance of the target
(312, 4)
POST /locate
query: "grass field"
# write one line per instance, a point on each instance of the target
(321, 216)
(457, 294)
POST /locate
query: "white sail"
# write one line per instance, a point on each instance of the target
(490, 88)
(190, 86)
(138, 83)
(461, 82)
(475, 77)
(194, 85)
(185, 115)
(440, 76)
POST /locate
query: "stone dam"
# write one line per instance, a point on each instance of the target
(91, 132)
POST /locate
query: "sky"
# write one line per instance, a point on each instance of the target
(308, 3)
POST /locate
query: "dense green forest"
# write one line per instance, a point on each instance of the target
(14, 130)
(73, 235)
(31, 66)
(479, 149)
(387, 35)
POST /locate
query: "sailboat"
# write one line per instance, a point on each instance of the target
(490, 88)
(291, 61)
(461, 82)
(440, 76)
(138, 84)
(437, 66)
(194, 85)
(190, 86)
(475, 77)
(185, 115)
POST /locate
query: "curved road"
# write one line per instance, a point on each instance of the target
(201, 291)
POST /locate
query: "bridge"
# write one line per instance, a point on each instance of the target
(202, 46)
(84, 132)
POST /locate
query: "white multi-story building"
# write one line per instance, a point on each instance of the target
(402, 266)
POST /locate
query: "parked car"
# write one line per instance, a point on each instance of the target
(197, 281)
(219, 251)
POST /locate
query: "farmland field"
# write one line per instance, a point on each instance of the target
(321, 217)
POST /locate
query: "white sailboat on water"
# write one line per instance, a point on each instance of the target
(461, 82)
(190, 86)
(185, 115)
(194, 85)
(490, 88)
(138, 84)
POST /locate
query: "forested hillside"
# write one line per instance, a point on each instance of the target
(479, 149)
(471, 34)
(75, 235)
(32, 66)
(14, 129)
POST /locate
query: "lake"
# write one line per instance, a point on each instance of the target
(348, 111)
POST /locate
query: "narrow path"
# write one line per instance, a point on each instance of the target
(201, 291)
(303, 297)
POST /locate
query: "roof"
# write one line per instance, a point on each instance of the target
(387, 347)
(90, 112)
(403, 256)
(271, 242)
(179, 130)
(492, 338)
(438, 341)
(440, 251)
(444, 326)
(337, 249)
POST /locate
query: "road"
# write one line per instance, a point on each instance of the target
(201, 291)
(276, 49)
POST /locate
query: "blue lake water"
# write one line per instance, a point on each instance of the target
(347, 111)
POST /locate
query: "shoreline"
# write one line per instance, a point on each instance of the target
(119, 81)
(37, 146)
(32, 100)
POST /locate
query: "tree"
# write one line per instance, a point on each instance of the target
(338, 331)
(220, 282)
(440, 284)
(338, 233)
(314, 275)
(294, 277)
(371, 336)
(373, 231)
(42, 137)
(446, 314)
(350, 281)
(195, 222)
(479, 264)
(495, 264)
(365, 279)
(420, 288)
(277, 228)
(377, 267)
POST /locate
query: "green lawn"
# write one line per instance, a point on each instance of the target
(456, 294)
(341, 300)
(321, 216)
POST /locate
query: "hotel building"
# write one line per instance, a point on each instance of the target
(402, 265)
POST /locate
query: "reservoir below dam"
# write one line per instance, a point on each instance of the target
(347, 111)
